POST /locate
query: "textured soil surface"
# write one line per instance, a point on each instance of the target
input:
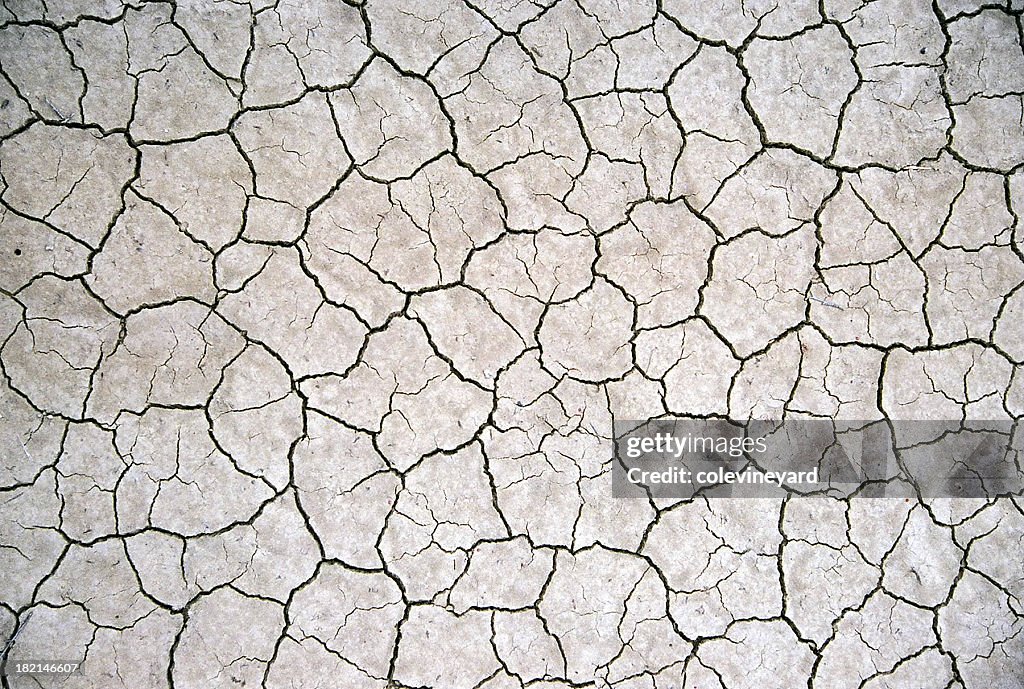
(315, 315)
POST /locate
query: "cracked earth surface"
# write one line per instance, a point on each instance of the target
(315, 316)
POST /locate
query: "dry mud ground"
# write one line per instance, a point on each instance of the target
(314, 317)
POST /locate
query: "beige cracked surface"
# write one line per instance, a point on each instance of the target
(315, 315)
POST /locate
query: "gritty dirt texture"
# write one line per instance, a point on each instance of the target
(315, 315)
